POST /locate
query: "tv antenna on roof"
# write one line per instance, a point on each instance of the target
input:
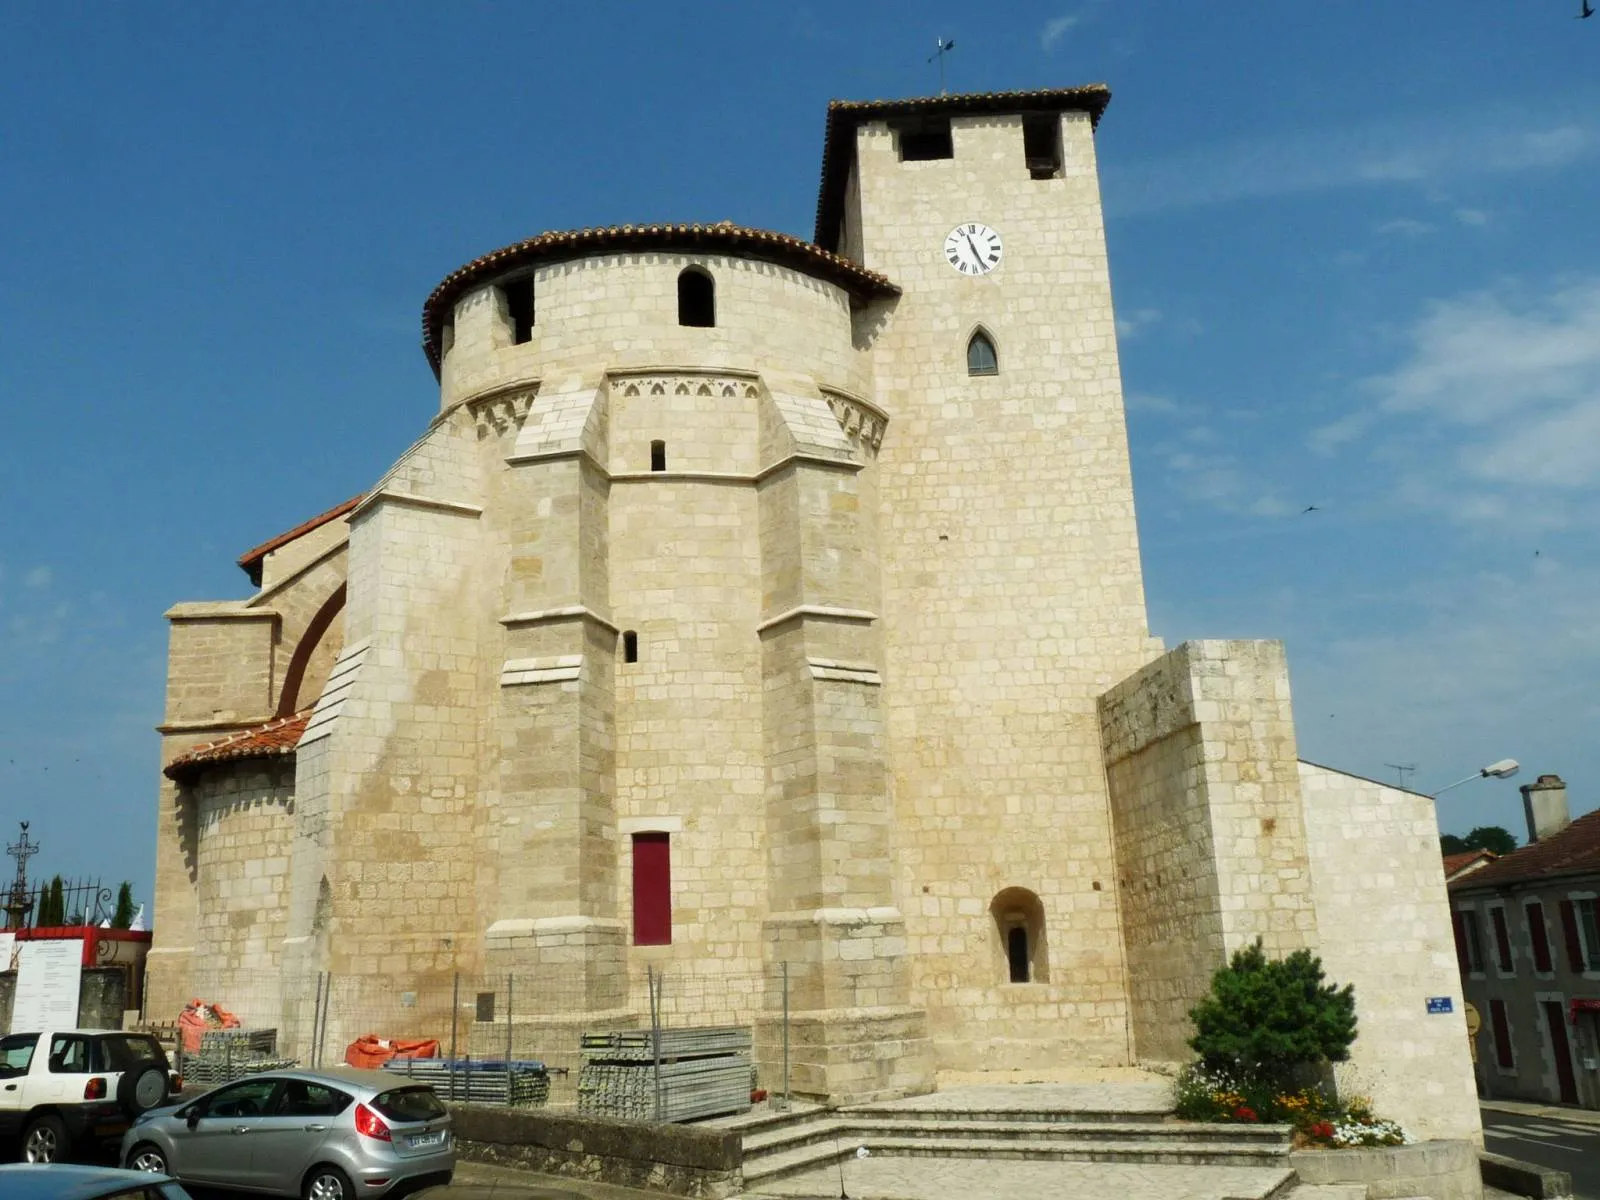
(945, 46)
(1400, 769)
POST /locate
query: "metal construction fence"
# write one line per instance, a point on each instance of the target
(648, 1043)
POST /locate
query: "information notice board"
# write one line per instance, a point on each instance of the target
(48, 977)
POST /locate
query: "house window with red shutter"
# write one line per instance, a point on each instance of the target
(1569, 927)
(1539, 936)
(1469, 941)
(1502, 1034)
(1502, 941)
(1458, 921)
(652, 889)
(1589, 930)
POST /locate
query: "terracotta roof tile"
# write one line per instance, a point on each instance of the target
(726, 238)
(844, 116)
(275, 739)
(1573, 851)
(250, 561)
(1455, 863)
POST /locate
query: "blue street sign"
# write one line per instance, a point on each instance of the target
(1440, 1004)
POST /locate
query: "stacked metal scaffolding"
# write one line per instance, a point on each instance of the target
(521, 1083)
(666, 1074)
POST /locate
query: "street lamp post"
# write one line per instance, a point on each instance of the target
(1504, 769)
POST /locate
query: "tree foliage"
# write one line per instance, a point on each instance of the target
(1495, 838)
(123, 917)
(1267, 1018)
(52, 905)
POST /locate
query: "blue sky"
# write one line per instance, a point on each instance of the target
(1353, 249)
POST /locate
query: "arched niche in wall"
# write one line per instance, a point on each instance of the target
(317, 632)
(1022, 952)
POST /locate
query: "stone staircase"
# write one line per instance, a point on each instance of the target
(780, 1145)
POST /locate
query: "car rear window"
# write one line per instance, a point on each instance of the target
(409, 1104)
(16, 1052)
(129, 1052)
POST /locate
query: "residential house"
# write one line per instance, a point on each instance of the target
(1527, 928)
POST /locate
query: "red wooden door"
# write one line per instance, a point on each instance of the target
(652, 889)
(1556, 1018)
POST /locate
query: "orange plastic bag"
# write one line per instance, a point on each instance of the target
(372, 1051)
(198, 1019)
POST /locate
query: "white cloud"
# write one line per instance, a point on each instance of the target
(1475, 217)
(1131, 324)
(1494, 412)
(1407, 227)
(1428, 152)
(1481, 664)
(1055, 29)
(38, 577)
(1146, 402)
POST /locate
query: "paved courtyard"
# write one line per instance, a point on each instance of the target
(882, 1178)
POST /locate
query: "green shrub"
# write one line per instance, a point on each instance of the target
(1266, 1020)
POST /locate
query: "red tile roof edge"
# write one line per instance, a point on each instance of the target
(250, 561)
(275, 739)
(1573, 851)
(1454, 862)
(845, 115)
(723, 237)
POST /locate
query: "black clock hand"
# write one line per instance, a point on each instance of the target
(977, 259)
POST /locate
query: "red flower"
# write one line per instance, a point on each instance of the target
(1244, 1113)
(1322, 1129)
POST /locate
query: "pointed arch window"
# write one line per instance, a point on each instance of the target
(697, 298)
(981, 357)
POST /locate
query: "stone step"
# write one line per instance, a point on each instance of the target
(1048, 1116)
(810, 1157)
(849, 1128)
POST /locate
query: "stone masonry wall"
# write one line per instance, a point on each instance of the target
(244, 834)
(1383, 924)
(1211, 844)
(621, 311)
(1011, 580)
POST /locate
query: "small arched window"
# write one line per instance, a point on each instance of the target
(981, 358)
(1022, 953)
(697, 298)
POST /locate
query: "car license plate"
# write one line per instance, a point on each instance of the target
(422, 1140)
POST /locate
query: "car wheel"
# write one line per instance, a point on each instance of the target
(146, 1157)
(45, 1140)
(328, 1183)
(140, 1091)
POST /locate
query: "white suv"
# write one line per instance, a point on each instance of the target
(62, 1088)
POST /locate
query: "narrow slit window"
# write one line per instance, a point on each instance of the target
(519, 309)
(447, 337)
(1041, 145)
(658, 456)
(630, 646)
(924, 141)
(981, 358)
(1017, 954)
(697, 298)
(652, 889)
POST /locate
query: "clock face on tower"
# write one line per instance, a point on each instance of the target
(972, 249)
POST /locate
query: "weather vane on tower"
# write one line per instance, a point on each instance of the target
(945, 46)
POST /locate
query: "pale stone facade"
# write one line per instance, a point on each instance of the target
(860, 631)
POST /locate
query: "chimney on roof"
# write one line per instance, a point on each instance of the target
(1545, 802)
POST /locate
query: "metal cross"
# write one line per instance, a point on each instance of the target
(22, 850)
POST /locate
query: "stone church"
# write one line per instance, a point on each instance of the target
(753, 601)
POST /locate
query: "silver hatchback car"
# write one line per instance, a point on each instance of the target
(322, 1135)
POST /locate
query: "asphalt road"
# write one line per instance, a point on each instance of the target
(1548, 1142)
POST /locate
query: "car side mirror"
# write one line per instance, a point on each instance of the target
(192, 1117)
